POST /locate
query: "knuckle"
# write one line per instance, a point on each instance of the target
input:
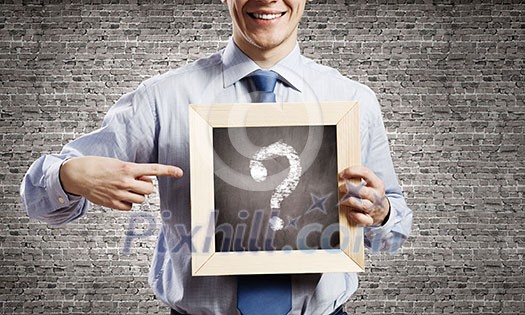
(354, 201)
(346, 173)
(124, 183)
(140, 199)
(118, 205)
(154, 168)
(119, 197)
(366, 172)
(364, 193)
(150, 189)
(126, 168)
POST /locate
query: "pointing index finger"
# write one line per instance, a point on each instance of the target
(153, 169)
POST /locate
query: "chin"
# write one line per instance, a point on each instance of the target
(267, 43)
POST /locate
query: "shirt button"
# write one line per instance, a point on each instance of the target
(61, 200)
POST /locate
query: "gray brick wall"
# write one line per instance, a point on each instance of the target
(450, 79)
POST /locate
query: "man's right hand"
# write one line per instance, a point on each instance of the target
(110, 182)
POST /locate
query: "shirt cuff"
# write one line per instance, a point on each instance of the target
(58, 197)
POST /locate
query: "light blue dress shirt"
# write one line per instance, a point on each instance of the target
(150, 124)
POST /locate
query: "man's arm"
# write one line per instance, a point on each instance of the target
(376, 200)
(96, 166)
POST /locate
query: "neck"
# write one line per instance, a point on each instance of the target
(267, 58)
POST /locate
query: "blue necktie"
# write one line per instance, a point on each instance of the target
(261, 84)
(263, 294)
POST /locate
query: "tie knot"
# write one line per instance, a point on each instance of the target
(262, 80)
(261, 84)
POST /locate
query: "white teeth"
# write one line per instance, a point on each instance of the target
(266, 16)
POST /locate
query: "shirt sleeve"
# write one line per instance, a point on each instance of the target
(127, 133)
(375, 152)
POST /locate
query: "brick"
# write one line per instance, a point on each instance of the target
(449, 76)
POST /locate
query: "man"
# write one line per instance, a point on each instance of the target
(146, 134)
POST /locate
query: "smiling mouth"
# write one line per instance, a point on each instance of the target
(266, 16)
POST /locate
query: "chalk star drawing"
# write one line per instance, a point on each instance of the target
(318, 203)
(352, 191)
(292, 222)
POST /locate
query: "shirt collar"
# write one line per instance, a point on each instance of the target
(237, 65)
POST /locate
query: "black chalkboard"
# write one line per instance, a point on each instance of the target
(250, 216)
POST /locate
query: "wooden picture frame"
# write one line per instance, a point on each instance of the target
(206, 261)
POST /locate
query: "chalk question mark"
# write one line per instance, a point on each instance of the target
(287, 186)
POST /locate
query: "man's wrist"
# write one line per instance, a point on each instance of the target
(389, 207)
(60, 178)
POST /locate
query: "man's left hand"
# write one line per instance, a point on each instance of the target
(364, 195)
